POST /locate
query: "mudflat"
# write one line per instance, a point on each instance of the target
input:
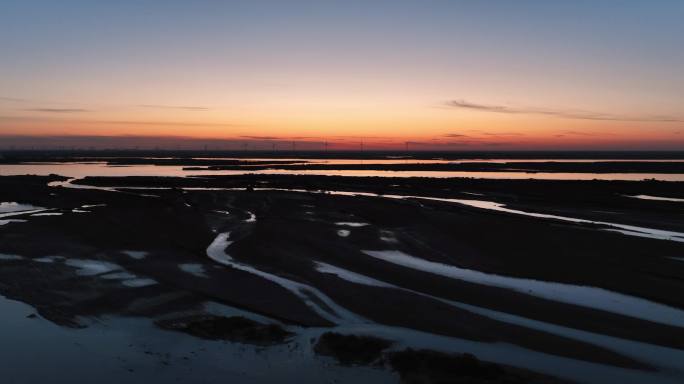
(335, 252)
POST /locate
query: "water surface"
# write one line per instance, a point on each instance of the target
(80, 170)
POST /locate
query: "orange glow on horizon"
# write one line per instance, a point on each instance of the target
(391, 124)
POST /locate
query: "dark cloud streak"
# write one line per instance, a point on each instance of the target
(565, 114)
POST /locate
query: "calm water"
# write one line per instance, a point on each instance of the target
(79, 170)
(125, 350)
(138, 352)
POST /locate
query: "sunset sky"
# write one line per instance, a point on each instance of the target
(456, 75)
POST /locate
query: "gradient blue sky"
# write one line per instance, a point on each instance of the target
(440, 74)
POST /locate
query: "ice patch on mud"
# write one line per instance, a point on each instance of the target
(8, 207)
(592, 297)
(251, 219)
(194, 269)
(351, 224)
(48, 214)
(49, 259)
(656, 236)
(5, 222)
(656, 198)
(350, 276)
(93, 205)
(108, 271)
(388, 237)
(119, 276)
(137, 255)
(91, 267)
(343, 232)
(138, 283)
(6, 257)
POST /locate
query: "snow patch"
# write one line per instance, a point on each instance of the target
(194, 269)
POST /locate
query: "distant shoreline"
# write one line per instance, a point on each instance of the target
(9, 155)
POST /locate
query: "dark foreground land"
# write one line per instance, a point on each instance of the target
(143, 250)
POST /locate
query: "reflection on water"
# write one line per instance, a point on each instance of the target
(654, 355)
(124, 350)
(585, 296)
(138, 352)
(220, 360)
(9, 209)
(311, 296)
(630, 230)
(477, 175)
(657, 198)
(409, 160)
(11, 206)
(80, 170)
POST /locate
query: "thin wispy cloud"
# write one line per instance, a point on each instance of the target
(57, 110)
(261, 137)
(71, 120)
(560, 113)
(582, 133)
(482, 133)
(277, 137)
(12, 99)
(142, 141)
(179, 107)
(503, 134)
(439, 144)
(165, 123)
